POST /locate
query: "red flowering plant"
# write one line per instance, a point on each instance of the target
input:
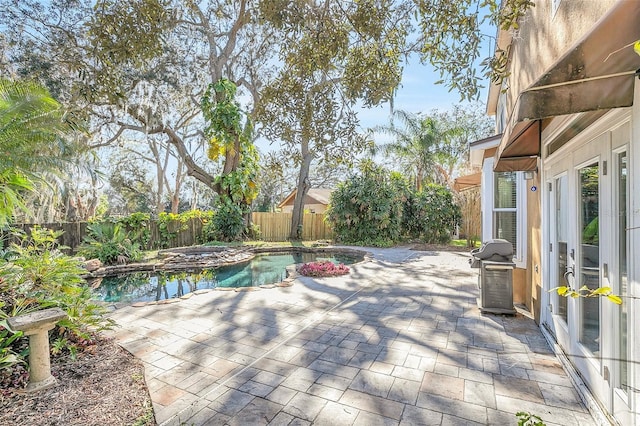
(322, 269)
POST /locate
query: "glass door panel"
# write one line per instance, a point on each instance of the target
(589, 272)
(561, 241)
(621, 286)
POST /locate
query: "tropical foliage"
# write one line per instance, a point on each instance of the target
(37, 276)
(110, 243)
(379, 208)
(230, 136)
(433, 147)
(32, 140)
(416, 144)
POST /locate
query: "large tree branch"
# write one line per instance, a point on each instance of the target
(193, 169)
(232, 39)
(211, 39)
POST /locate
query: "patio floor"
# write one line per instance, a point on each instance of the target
(399, 340)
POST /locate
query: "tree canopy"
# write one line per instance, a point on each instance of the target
(137, 71)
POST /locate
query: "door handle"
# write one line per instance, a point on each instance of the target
(570, 271)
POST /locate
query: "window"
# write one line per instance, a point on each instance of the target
(505, 213)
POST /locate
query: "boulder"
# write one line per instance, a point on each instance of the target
(92, 265)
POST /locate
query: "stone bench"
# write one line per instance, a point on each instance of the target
(36, 325)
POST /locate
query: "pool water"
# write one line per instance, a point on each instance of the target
(154, 286)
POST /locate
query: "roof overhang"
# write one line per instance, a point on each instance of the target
(477, 149)
(596, 74)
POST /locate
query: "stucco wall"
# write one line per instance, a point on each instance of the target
(534, 240)
(543, 39)
(520, 287)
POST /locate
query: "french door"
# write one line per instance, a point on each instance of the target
(587, 212)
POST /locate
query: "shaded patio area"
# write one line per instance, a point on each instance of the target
(399, 340)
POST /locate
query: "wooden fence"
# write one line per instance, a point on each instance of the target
(469, 202)
(273, 227)
(277, 226)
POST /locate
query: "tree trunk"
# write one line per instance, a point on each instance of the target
(92, 203)
(194, 195)
(175, 197)
(301, 193)
(153, 146)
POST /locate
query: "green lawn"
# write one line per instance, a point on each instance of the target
(462, 243)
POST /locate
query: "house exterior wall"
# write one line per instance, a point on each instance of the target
(618, 130)
(313, 208)
(533, 281)
(544, 37)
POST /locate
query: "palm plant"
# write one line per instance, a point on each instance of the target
(12, 184)
(32, 139)
(110, 243)
(419, 144)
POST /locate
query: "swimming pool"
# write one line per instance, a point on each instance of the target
(261, 270)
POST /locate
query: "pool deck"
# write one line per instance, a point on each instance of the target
(400, 340)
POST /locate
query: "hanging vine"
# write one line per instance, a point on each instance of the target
(229, 133)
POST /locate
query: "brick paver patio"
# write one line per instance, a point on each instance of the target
(399, 340)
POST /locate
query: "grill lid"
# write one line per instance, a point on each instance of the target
(498, 250)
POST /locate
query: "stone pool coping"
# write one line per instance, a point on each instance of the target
(291, 270)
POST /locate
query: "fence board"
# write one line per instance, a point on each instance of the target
(273, 227)
(277, 226)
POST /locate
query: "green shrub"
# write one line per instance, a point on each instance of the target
(170, 225)
(254, 232)
(136, 225)
(367, 208)
(208, 231)
(379, 208)
(109, 243)
(430, 215)
(228, 222)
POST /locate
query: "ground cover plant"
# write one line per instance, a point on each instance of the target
(322, 269)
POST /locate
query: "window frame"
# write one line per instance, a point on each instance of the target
(489, 210)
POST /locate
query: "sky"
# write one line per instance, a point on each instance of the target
(418, 93)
